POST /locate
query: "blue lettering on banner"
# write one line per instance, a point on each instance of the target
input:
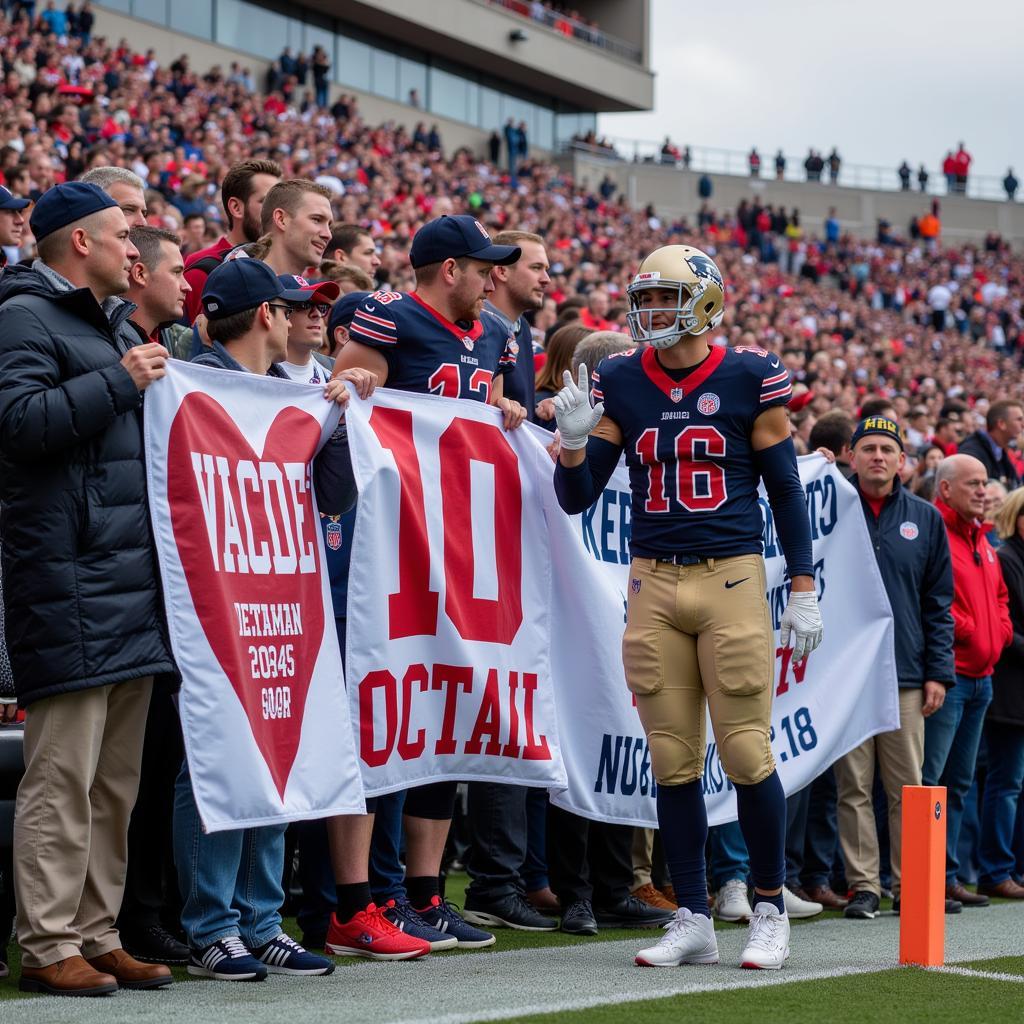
(778, 596)
(612, 511)
(822, 499)
(796, 736)
(625, 766)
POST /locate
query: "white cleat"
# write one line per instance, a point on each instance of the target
(689, 939)
(732, 904)
(768, 940)
(797, 908)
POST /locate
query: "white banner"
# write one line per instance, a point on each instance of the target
(448, 596)
(845, 692)
(262, 704)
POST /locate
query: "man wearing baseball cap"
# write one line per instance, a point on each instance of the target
(304, 362)
(909, 541)
(85, 627)
(12, 225)
(437, 339)
(248, 309)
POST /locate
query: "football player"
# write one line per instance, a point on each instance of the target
(436, 339)
(700, 426)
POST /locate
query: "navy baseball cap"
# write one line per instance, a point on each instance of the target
(239, 285)
(64, 204)
(323, 290)
(451, 237)
(344, 309)
(9, 201)
(877, 425)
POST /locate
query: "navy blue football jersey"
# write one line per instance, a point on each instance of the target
(427, 352)
(687, 445)
(337, 531)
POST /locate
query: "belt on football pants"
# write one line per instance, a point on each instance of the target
(682, 559)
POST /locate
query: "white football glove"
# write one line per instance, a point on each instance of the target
(574, 414)
(801, 621)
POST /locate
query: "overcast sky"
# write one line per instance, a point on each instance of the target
(883, 81)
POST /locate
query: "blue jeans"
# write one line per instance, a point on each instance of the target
(951, 739)
(729, 857)
(230, 881)
(1001, 802)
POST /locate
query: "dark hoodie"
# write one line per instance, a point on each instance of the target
(81, 589)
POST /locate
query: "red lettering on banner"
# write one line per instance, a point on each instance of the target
(512, 747)
(476, 618)
(245, 532)
(488, 721)
(377, 756)
(413, 610)
(499, 703)
(535, 749)
(799, 669)
(408, 750)
(450, 677)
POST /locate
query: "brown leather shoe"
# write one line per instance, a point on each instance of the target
(544, 900)
(649, 895)
(1005, 890)
(670, 894)
(132, 973)
(965, 896)
(70, 977)
(824, 895)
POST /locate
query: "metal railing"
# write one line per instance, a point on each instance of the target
(569, 27)
(729, 161)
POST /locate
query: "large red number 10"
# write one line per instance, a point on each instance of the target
(412, 611)
(700, 483)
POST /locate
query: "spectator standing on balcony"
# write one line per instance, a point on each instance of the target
(1010, 183)
(669, 153)
(754, 159)
(834, 162)
(321, 70)
(780, 165)
(522, 140)
(493, 143)
(961, 168)
(922, 178)
(511, 145)
(949, 171)
(904, 172)
(686, 158)
(981, 630)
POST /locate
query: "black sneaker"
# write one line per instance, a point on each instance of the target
(154, 945)
(863, 905)
(630, 912)
(579, 919)
(509, 911)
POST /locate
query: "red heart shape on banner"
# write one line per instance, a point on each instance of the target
(245, 530)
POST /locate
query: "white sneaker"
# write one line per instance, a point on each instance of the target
(797, 908)
(732, 904)
(768, 940)
(689, 939)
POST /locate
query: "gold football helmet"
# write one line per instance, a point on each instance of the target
(700, 295)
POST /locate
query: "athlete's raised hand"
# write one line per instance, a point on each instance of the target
(574, 414)
(801, 623)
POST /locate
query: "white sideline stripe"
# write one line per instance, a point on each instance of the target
(753, 979)
(967, 972)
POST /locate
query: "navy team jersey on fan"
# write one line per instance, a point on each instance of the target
(687, 444)
(427, 352)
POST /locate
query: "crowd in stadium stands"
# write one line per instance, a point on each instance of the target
(915, 329)
(559, 17)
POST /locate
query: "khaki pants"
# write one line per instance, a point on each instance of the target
(643, 857)
(699, 634)
(83, 752)
(900, 756)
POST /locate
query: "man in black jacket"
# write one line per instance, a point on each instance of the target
(85, 627)
(1004, 424)
(912, 552)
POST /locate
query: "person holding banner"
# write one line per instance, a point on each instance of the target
(700, 426)
(909, 541)
(436, 339)
(231, 880)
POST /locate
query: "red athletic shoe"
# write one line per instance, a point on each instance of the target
(372, 935)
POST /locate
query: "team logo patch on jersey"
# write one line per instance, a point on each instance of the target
(635, 585)
(676, 394)
(909, 530)
(708, 404)
(513, 346)
(334, 536)
(468, 342)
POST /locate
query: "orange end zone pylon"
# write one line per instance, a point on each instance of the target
(923, 885)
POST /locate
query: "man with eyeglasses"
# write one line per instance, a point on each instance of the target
(304, 364)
